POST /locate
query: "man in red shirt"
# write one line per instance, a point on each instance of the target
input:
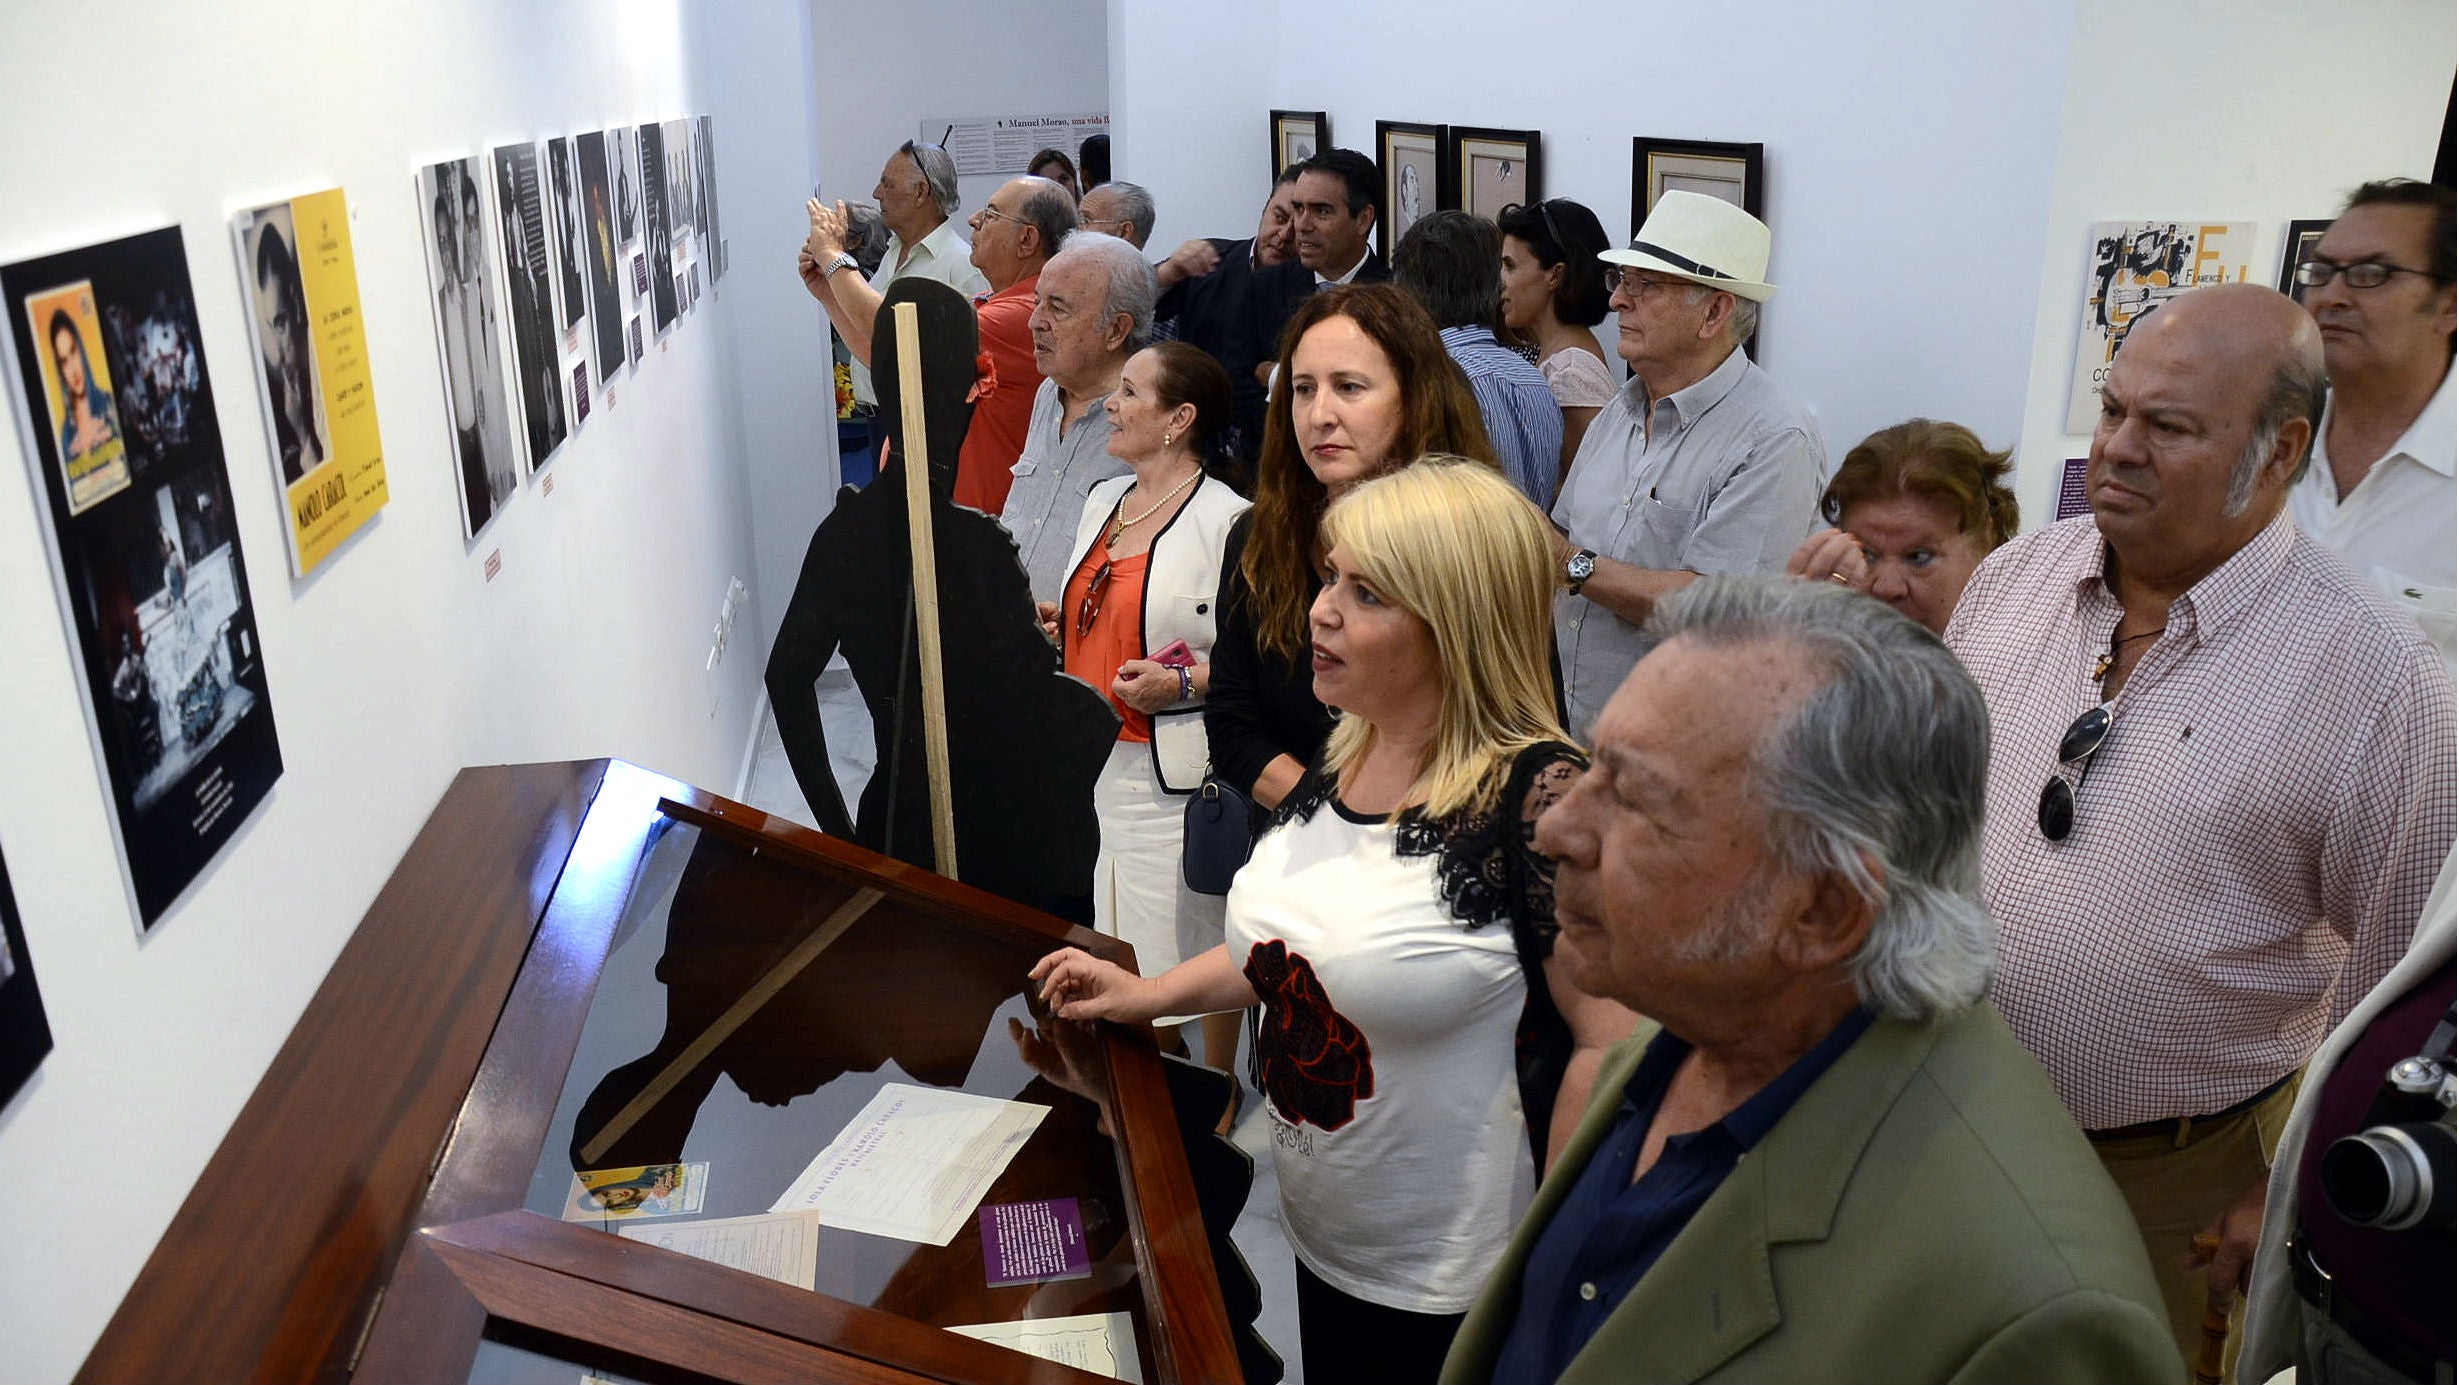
(1014, 235)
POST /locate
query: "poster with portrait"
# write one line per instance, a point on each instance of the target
(92, 455)
(568, 218)
(152, 572)
(603, 252)
(300, 281)
(704, 181)
(25, 1036)
(469, 338)
(655, 229)
(683, 244)
(631, 260)
(2136, 267)
(520, 223)
(1410, 155)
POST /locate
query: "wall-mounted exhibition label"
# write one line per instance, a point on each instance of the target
(1007, 143)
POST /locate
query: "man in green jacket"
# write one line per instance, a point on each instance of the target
(1833, 1162)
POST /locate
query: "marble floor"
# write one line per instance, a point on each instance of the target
(771, 787)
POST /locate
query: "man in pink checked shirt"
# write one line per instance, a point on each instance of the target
(2221, 778)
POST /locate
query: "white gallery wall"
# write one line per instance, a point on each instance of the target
(884, 68)
(1932, 166)
(2268, 114)
(399, 660)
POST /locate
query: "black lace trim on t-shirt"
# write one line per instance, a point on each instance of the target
(1489, 871)
(1488, 868)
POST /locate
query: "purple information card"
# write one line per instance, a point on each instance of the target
(2073, 499)
(1029, 1242)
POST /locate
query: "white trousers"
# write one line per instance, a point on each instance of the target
(1139, 893)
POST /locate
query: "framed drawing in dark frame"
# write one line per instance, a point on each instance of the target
(1410, 155)
(1298, 135)
(1488, 170)
(1734, 173)
(2303, 236)
(24, 1034)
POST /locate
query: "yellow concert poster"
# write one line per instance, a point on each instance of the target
(77, 386)
(301, 285)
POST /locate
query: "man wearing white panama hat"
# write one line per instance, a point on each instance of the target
(1701, 463)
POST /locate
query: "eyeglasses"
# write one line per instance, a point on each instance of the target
(2088, 733)
(1625, 279)
(2364, 274)
(990, 214)
(1089, 609)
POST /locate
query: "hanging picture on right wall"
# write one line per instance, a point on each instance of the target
(2135, 267)
(24, 1034)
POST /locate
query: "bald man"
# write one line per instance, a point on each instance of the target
(2220, 778)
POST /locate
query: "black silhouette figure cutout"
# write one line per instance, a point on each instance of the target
(1025, 741)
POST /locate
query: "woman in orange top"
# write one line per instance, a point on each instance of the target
(1146, 573)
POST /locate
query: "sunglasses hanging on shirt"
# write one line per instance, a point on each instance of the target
(2088, 733)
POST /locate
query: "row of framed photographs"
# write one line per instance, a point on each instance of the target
(1481, 169)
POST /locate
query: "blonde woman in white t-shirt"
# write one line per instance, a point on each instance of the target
(1418, 1049)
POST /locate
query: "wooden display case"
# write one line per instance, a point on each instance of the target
(586, 965)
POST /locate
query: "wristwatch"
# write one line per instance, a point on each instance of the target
(1577, 569)
(843, 261)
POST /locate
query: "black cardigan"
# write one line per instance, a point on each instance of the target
(1260, 704)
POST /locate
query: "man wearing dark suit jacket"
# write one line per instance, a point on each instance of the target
(1338, 195)
(1833, 1162)
(1204, 301)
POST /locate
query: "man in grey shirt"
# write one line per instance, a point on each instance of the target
(1092, 309)
(1700, 464)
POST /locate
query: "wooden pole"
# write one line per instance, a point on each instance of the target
(723, 1027)
(926, 588)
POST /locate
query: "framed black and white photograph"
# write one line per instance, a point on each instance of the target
(1411, 157)
(1298, 135)
(529, 278)
(1487, 170)
(25, 1036)
(2303, 236)
(469, 335)
(1728, 172)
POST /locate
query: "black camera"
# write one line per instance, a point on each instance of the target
(2395, 1173)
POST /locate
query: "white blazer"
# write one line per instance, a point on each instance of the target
(2272, 1317)
(1181, 582)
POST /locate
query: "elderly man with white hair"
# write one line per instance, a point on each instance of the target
(1833, 1161)
(1120, 209)
(917, 197)
(1700, 464)
(1092, 309)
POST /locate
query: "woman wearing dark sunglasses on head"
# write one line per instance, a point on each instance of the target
(1136, 622)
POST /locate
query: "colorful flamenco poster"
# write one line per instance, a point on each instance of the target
(301, 284)
(92, 456)
(151, 568)
(2136, 267)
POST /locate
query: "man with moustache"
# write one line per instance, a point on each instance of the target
(2220, 778)
(2380, 491)
(1833, 1162)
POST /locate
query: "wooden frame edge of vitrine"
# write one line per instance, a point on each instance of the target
(859, 1342)
(429, 1324)
(270, 1266)
(1174, 1253)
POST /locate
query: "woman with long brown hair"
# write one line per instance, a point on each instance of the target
(1363, 387)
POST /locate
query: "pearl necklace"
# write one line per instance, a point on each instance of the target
(1120, 524)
